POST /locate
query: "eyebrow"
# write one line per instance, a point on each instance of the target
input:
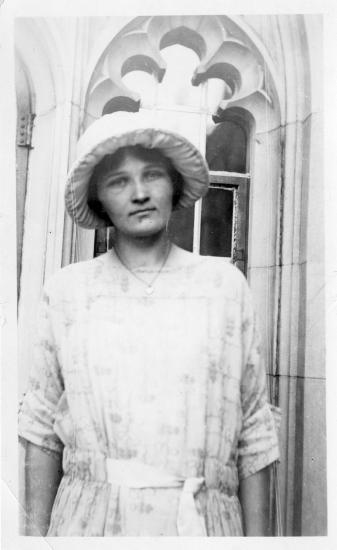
(116, 173)
(113, 173)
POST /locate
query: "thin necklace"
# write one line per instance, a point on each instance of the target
(149, 290)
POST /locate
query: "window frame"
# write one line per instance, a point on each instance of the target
(239, 183)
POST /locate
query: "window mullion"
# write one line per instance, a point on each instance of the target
(235, 228)
(228, 178)
(197, 227)
(216, 173)
(202, 147)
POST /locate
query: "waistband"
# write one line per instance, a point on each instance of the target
(89, 465)
(133, 474)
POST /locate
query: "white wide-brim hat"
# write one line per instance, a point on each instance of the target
(113, 131)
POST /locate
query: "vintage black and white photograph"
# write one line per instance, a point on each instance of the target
(170, 268)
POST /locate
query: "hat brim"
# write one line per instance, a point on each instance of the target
(185, 157)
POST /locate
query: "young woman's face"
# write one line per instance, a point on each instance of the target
(137, 196)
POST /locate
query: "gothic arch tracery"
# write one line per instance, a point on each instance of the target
(224, 54)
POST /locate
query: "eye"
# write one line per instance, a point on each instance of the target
(117, 182)
(154, 173)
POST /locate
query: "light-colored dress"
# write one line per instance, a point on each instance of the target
(173, 380)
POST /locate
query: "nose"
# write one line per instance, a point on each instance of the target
(140, 193)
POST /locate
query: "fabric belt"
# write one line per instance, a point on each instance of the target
(134, 474)
(138, 475)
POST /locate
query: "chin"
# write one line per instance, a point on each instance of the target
(145, 231)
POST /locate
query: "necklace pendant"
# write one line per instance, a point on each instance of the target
(149, 290)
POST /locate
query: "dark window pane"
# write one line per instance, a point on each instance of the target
(110, 237)
(216, 223)
(104, 240)
(180, 228)
(226, 148)
(100, 241)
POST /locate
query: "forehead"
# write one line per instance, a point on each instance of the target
(130, 161)
(124, 155)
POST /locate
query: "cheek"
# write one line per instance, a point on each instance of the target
(166, 197)
(113, 205)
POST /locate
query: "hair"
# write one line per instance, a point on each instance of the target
(113, 161)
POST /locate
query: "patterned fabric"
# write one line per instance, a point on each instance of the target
(173, 380)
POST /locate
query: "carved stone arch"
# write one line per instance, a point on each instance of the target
(145, 63)
(24, 80)
(120, 103)
(222, 51)
(33, 49)
(238, 28)
(200, 33)
(185, 37)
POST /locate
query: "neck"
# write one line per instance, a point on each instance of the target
(142, 252)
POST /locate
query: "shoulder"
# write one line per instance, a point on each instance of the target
(223, 277)
(211, 274)
(221, 267)
(215, 268)
(68, 280)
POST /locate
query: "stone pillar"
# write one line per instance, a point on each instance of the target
(301, 306)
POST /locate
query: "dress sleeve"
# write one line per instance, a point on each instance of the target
(45, 386)
(258, 441)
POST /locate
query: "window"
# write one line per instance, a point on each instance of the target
(217, 224)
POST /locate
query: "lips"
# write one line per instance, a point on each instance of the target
(142, 211)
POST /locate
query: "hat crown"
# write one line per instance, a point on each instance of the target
(110, 125)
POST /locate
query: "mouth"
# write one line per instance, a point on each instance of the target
(142, 211)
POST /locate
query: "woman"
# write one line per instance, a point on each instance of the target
(147, 378)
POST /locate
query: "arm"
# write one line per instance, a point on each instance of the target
(254, 499)
(43, 471)
(37, 415)
(258, 442)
